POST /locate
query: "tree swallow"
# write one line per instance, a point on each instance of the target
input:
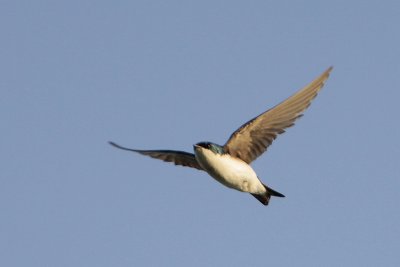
(230, 164)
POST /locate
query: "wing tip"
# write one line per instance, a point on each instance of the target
(327, 72)
(124, 148)
(114, 144)
(319, 82)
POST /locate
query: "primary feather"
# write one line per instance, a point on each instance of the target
(177, 157)
(253, 138)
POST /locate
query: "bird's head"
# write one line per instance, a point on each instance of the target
(217, 149)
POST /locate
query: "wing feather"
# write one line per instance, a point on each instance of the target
(177, 157)
(255, 136)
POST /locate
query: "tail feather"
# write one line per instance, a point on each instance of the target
(264, 199)
(272, 192)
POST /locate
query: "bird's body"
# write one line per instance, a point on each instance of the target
(230, 164)
(229, 171)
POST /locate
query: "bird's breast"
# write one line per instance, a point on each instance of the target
(231, 172)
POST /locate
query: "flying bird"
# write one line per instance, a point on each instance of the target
(230, 164)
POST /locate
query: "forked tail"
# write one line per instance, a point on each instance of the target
(264, 198)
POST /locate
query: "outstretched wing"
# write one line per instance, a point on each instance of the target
(253, 138)
(177, 157)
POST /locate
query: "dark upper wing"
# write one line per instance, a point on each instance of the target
(252, 138)
(177, 157)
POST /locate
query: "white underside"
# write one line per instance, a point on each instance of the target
(231, 172)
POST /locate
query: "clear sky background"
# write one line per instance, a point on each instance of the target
(168, 74)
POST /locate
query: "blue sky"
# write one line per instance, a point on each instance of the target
(168, 74)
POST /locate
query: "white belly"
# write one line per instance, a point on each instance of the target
(231, 172)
